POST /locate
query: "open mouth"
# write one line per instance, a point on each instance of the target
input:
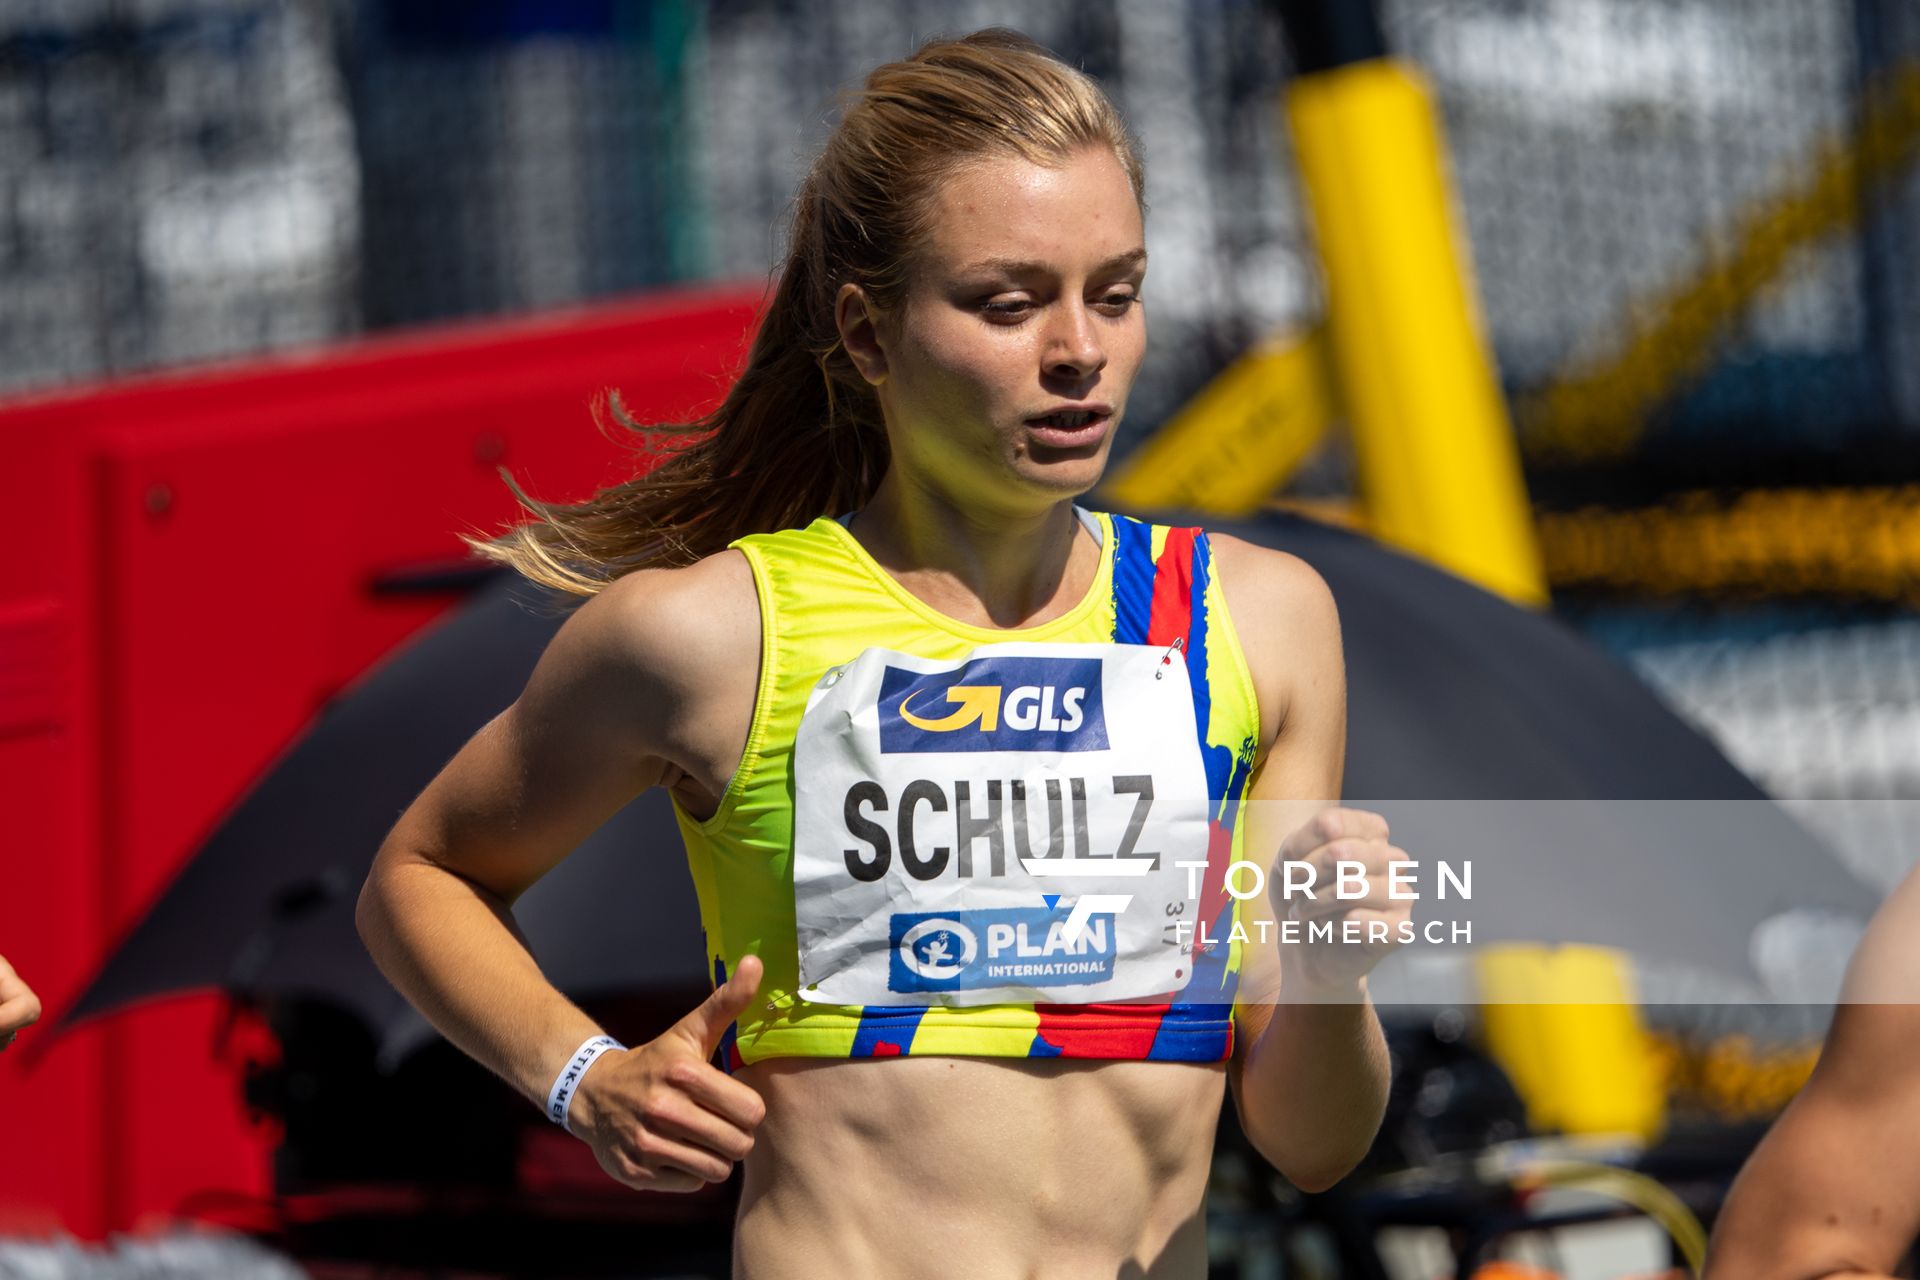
(1066, 421)
(1071, 428)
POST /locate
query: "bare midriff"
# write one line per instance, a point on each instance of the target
(979, 1168)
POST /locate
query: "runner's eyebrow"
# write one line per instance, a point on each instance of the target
(1018, 267)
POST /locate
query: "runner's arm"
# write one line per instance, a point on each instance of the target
(597, 724)
(1833, 1190)
(1309, 1080)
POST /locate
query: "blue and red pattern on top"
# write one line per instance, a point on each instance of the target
(1163, 602)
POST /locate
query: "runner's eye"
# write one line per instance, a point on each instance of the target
(1016, 308)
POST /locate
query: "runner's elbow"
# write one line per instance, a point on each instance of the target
(1311, 1171)
(379, 903)
(1317, 1176)
(369, 912)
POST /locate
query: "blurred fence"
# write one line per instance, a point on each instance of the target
(1811, 715)
(186, 178)
(177, 182)
(198, 177)
(1695, 223)
(1625, 165)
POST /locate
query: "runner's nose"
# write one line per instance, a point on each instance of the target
(1074, 349)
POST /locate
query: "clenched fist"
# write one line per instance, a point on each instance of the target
(1337, 940)
(662, 1117)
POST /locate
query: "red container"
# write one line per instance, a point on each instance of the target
(190, 580)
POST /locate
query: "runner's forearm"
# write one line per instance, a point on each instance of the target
(1314, 1088)
(453, 950)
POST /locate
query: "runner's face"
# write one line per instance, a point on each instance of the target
(1025, 302)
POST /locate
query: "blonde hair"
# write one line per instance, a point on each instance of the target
(800, 435)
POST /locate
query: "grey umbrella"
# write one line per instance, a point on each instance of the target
(265, 906)
(1466, 714)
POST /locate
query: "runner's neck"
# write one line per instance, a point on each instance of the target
(1088, 521)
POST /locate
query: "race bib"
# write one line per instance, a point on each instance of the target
(1005, 828)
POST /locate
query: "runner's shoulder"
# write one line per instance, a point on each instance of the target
(679, 630)
(1272, 591)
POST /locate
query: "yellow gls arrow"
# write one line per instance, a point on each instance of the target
(977, 702)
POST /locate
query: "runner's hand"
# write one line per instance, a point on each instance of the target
(1333, 967)
(662, 1117)
(19, 1007)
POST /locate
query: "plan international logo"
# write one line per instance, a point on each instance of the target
(1001, 703)
(1032, 946)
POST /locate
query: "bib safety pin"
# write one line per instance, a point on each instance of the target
(1166, 659)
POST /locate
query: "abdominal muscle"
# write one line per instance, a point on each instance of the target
(982, 1168)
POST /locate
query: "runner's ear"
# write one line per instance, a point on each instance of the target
(859, 323)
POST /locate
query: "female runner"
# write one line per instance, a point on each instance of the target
(960, 765)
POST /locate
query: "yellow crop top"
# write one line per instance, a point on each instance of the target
(951, 839)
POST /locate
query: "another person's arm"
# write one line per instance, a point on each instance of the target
(1309, 1072)
(19, 1007)
(602, 718)
(1833, 1190)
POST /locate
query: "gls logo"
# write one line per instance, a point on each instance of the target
(998, 703)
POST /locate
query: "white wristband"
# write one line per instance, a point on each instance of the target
(560, 1097)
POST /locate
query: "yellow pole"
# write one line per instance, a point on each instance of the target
(1233, 444)
(1439, 470)
(1439, 474)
